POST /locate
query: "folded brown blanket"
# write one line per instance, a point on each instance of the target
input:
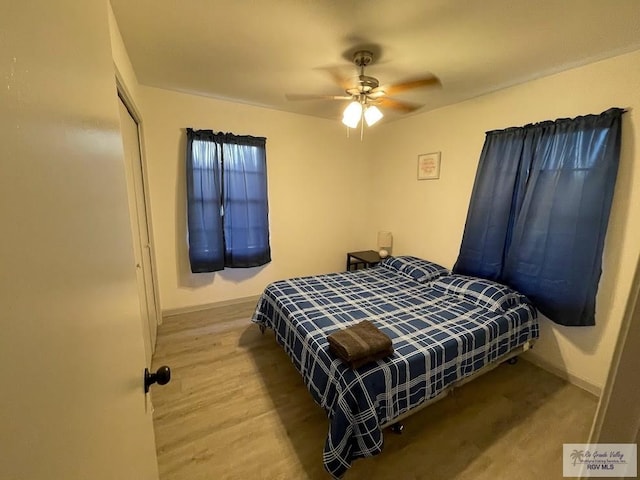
(360, 344)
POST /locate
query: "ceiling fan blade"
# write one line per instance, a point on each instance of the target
(403, 107)
(339, 78)
(294, 96)
(411, 84)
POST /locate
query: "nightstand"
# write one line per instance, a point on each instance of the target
(363, 259)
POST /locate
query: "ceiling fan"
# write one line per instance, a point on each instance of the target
(367, 94)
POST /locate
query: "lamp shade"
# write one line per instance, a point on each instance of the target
(372, 114)
(385, 241)
(352, 114)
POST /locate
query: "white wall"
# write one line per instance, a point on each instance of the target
(618, 416)
(317, 183)
(427, 217)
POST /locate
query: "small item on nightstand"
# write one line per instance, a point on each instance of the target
(383, 253)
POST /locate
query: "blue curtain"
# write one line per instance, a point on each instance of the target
(228, 214)
(539, 212)
(246, 212)
(489, 218)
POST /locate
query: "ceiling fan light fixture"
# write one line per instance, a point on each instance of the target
(352, 114)
(372, 114)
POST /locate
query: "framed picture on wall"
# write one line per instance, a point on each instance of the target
(429, 166)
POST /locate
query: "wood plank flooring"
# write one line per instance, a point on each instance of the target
(237, 409)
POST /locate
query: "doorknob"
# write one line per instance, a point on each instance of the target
(161, 377)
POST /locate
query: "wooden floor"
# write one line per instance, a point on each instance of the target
(237, 409)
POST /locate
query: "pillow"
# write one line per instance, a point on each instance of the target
(482, 292)
(420, 270)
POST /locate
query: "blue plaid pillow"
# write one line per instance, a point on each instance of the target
(420, 270)
(482, 292)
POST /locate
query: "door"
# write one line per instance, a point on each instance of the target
(72, 405)
(140, 228)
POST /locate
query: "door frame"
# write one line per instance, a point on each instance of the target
(127, 100)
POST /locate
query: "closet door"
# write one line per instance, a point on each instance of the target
(140, 229)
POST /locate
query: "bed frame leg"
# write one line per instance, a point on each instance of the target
(397, 428)
(262, 329)
(512, 360)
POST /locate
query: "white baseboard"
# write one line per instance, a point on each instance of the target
(197, 308)
(531, 357)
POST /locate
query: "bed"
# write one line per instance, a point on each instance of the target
(445, 329)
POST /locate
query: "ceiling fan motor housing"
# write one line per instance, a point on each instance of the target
(362, 58)
(365, 85)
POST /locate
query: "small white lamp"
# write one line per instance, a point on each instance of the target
(385, 241)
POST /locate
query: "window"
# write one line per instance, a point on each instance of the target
(539, 211)
(228, 213)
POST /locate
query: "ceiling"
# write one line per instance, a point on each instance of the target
(256, 51)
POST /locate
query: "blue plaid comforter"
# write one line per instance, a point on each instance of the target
(439, 336)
